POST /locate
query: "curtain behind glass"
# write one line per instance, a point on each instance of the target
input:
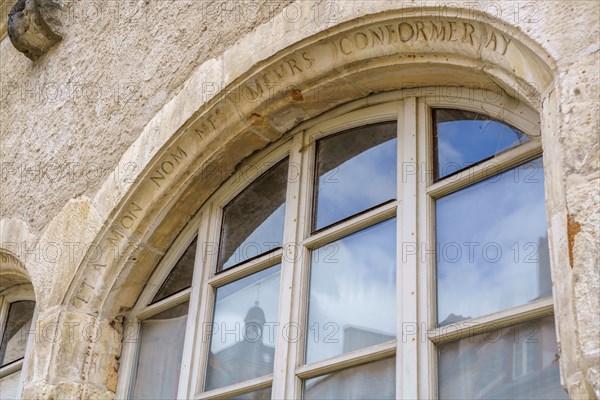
(160, 354)
(9, 386)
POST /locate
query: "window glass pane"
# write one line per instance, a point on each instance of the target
(180, 277)
(352, 293)
(464, 138)
(263, 394)
(517, 362)
(253, 221)
(9, 386)
(375, 380)
(492, 245)
(161, 348)
(242, 340)
(14, 340)
(356, 170)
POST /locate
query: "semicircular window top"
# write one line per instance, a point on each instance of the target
(463, 138)
(345, 261)
(16, 326)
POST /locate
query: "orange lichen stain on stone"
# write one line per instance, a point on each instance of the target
(573, 228)
(297, 95)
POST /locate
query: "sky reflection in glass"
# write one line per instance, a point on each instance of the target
(356, 170)
(492, 246)
(464, 138)
(352, 293)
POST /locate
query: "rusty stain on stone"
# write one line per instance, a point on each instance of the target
(113, 374)
(573, 228)
(297, 95)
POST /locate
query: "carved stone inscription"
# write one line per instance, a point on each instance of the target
(432, 31)
(273, 78)
(165, 168)
(261, 88)
(108, 252)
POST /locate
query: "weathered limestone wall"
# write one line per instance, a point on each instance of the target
(68, 117)
(86, 126)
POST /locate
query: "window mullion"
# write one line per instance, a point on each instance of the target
(4, 305)
(368, 354)
(11, 368)
(425, 250)
(191, 346)
(406, 255)
(302, 265)
(499, 320)
(285, 350)
(165, 304)
(230, 391)
(252, 266)
(28, 347)
(354, 224)
(129, 355)
(203, 302)
(509, 159)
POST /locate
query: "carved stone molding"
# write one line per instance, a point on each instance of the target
(34, 26)
(12, 271)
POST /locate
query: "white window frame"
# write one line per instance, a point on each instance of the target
(415, 344)
(144, 309)
(524, 119)
(20, 292)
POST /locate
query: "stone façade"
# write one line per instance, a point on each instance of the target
(252, 93)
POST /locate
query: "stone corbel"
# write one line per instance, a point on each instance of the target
(34, 26)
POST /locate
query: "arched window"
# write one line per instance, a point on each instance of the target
(17, 308)
(395, 250)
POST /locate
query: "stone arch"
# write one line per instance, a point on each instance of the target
(193, 145)
(14, 235)
(379, 53)
(12, 271)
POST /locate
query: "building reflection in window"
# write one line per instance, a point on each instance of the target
(243, 332)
